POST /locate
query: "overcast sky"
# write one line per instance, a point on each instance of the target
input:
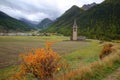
(36, 10)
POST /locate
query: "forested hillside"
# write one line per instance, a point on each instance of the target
(101, 21)
(9, 24)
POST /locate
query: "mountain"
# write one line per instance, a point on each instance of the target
(9, 24)
(28, 22)
(88, 6)
(63, 24)
(44, 23)
(101, 21)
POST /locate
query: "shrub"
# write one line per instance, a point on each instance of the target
(107, 49)
(42, 63)
(96, 70)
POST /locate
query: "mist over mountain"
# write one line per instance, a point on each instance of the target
(45, 23)
(37, 10)
(30, 23)
(9, 24)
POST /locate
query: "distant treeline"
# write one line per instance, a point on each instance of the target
(27, 34)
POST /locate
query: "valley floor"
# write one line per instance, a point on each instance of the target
(76, 53)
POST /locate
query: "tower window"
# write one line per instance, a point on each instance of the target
(74, 29)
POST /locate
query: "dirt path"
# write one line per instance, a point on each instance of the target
(113, 76)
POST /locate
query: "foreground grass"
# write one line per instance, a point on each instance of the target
(79, 54)
(96, 70)
(84, 55)
(12, 46)
(74, 52)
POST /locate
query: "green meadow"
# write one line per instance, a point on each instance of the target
(75, 53)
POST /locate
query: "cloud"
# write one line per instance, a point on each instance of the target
(36, 10)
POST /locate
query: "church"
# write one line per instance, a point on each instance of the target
(75, 36)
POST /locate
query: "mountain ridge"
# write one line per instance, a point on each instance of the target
(88, 6)
(100, 20)
(28, 22)
(9, 24)
(44, 23)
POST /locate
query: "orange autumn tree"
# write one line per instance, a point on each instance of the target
(41, 62)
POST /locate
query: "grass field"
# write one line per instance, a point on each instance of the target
(76, 53)
(12, 46)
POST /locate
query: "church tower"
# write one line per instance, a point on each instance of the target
(74, 37)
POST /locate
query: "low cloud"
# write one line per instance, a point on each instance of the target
(36, 10)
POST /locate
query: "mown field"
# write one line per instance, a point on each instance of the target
(12, 46)
(76, 53)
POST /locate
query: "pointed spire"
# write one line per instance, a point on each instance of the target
(75, 24)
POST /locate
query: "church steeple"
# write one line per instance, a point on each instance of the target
(75, 24)
(74, 30)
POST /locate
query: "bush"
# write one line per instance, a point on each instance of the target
(107, 49)
(42, 63)
(96, 70)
